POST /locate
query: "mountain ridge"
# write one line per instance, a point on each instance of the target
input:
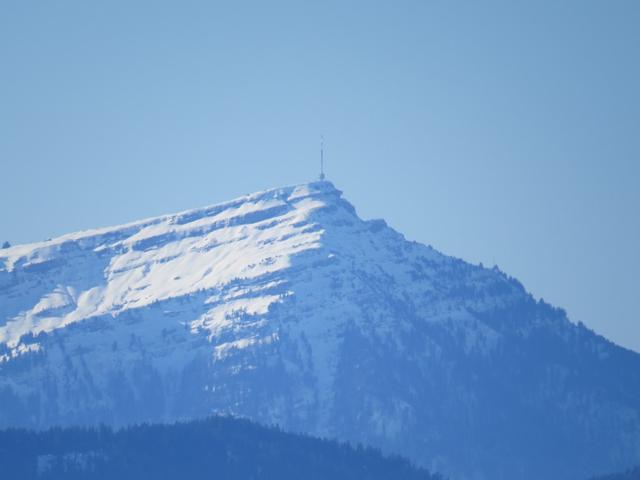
(286, 308)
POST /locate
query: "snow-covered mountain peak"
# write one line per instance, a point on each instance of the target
(97, 238)
(108, 270)
(241, 257)
(285, 307)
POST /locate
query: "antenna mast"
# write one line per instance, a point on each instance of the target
(322, 158)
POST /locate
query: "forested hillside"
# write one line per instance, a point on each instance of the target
(215, 448)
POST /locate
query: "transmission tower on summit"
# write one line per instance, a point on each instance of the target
(322, 177)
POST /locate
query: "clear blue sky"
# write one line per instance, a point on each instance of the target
(499, 132)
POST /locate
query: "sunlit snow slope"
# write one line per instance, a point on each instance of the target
(285, 307)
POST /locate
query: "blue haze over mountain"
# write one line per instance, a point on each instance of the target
(285, 307)
(501, 132)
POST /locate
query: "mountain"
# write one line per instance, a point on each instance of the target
(286, 308)
(631, 474)
(223, 448)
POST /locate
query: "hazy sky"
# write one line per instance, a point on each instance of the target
(500, 132)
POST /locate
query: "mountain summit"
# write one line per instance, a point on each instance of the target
(286, 308)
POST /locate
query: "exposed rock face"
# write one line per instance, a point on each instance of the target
(285, 307)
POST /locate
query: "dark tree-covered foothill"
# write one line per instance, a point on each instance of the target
(215, 448)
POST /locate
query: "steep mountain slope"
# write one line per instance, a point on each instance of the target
(285, 307)
(215, 448)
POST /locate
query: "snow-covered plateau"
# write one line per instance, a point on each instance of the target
(285, 307)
